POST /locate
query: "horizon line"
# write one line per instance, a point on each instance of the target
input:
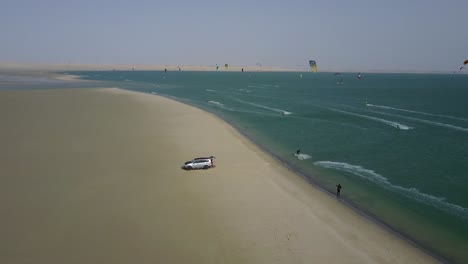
(191, 67)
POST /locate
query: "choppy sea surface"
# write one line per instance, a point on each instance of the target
(397, 143)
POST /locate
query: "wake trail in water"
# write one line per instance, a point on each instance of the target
(255, 86)
(463, 129)
(244, 90)
(283, 112)
(265, 85)
(302, 156)
(255, 95)
(380, 120)
(412, 193)
(222, 106)
(241, 94)
(415, 112)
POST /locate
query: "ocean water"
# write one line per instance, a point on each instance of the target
(397, 143)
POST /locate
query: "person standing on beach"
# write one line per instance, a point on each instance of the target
(338, 189)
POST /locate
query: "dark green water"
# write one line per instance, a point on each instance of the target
(397, 143)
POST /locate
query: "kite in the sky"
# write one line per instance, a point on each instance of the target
(313, 65)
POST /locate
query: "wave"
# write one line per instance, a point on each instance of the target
(425, 121)
(415, 112)
(412, 193)
(216, 103)
(384, 121)
(283, 112)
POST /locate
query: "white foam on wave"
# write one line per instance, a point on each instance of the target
(384, 121)
(412, 193)
(415, 112)
(302, 156)
(281, 111)
(154, 93)
(215, 103)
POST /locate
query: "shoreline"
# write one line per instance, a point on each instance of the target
(264, 151)
(316, 184)
(310, 179)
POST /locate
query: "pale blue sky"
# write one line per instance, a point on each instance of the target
(357, 35)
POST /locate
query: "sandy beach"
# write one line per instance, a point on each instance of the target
(93, 176)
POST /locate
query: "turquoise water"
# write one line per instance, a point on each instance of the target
(397, 143)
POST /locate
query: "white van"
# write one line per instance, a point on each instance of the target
(198, 163)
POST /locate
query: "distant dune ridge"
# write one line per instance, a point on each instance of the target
(136, 67)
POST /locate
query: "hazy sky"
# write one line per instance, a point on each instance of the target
(340, 35)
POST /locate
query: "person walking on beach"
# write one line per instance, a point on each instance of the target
(338, 190)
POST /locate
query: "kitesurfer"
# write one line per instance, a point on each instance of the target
(298, 151)
(338, 189)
